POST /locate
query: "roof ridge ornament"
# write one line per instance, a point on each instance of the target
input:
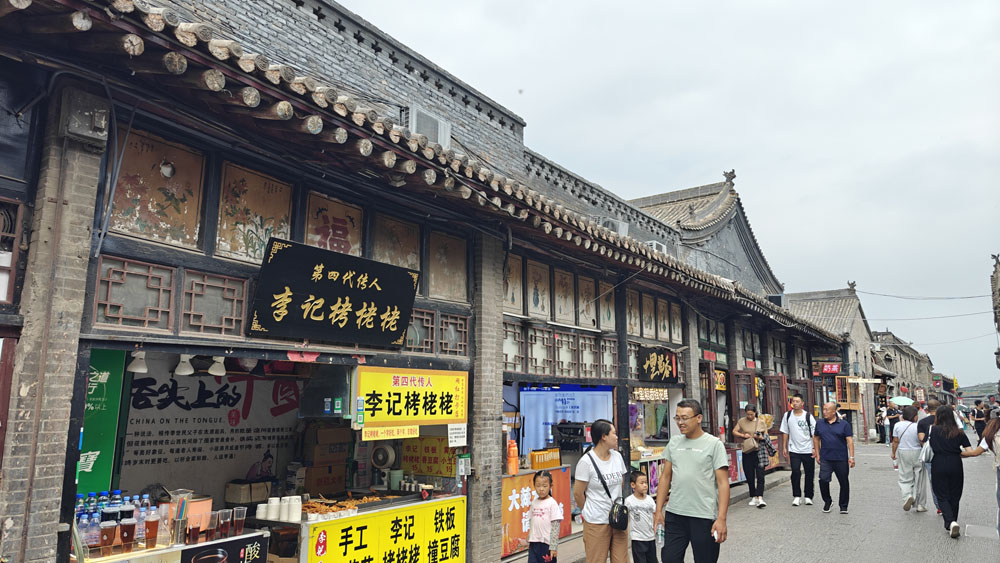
(730, 176)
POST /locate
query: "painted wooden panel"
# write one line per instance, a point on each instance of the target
(565, 294)
(676, 334)
(648, 316)
(397, 242)
(513, 286)
(538, 289)
(663, 320)
(447, 269)
(253, 207)
(159, 191)
(606, 307)
(587, 302)
(633, 324)
(334, 225)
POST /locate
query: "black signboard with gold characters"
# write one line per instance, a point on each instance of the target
(309, 293)
(657, 364)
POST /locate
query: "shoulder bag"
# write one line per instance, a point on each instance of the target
(618, 515)
(926, 453)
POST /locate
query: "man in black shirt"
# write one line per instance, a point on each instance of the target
(892, 413)
(923, 429)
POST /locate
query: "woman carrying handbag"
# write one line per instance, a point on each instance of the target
(751, 429)
(600, 474)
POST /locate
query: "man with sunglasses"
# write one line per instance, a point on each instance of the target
(696, 469)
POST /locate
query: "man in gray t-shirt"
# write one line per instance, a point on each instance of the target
(696, 469)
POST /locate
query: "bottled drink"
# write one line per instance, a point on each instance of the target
(93, 536)
(140, 528)
(127, 510)
(144, 503)
(660, 537)
(81, 505)
(102, 501)
(91, 502)
(116, 497)
(83, 525)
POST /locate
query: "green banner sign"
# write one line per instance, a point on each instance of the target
(100, 421)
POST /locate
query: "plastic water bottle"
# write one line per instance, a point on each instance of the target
(103, 500)
(81, 505)
(660, 536)
(91, 503)
(83, 524)
(140, 528)
(144, 503)
(127, 508)
(94, 532)
(895, 464)
(116, 498)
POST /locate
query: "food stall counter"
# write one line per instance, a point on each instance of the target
(250, 547)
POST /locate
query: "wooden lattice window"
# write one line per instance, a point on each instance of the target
(513, 347)
(420, 335)
(609, 357)
(589, 357)
(566, 358)
(213, 304)
(633, 360)
(454, 340)
(11, 217)
(134, 294)
(540, 351)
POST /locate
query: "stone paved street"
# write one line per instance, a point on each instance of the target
(877, 528)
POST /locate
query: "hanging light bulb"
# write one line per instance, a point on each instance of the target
(184, 366)
(218, 367)
(138, 363)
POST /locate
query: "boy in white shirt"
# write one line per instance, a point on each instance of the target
(641, 507)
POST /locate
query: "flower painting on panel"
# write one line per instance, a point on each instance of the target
(648, 316)
(607, 307)
(663, 320)
(448, 275)
(632, 322)
(334, 225)
(587, 301)
(158, 194)
(538, 289)
(253, 208)
(512, 286)
(397, 242)
(565, 308)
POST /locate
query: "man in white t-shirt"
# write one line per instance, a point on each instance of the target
(797, 446)
(906, 447)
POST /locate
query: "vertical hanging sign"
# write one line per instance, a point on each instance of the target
(100, 420)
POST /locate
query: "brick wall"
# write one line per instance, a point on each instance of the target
(46, 359)
(359, 58)
(487, 399)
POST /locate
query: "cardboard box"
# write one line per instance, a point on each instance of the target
(247, 493)
(318, 433)
(325, 479)
(272, 558)
(326, 454)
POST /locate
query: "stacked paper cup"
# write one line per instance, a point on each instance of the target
(285, 503)
(273, 508)
(262, 512)
(295, 509)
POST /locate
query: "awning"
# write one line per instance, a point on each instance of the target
(882, 371)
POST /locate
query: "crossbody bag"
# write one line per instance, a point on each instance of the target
(618, 515)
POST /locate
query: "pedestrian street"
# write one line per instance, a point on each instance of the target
(877, 528)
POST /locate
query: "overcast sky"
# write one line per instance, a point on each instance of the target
(865, 135)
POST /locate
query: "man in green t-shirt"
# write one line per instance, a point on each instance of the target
(696, 469)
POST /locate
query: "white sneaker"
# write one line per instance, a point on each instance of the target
(760, 502)
(796, 501)
(954, 530)
(908, 504)
(809, 501)
(753, 502)
(921, 508)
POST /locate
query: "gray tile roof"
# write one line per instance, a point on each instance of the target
(833, 310)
